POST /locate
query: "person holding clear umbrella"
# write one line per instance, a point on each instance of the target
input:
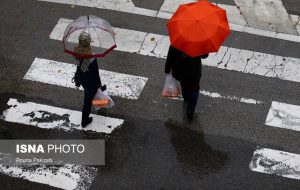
(96, 38)
(87, 75)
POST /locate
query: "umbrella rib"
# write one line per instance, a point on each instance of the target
(212, 13)
(217, 25)
(204, 36)
(213, 45)
(226, 30)
(98, 36)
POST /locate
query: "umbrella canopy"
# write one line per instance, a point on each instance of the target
(89, 36)
(198, 28)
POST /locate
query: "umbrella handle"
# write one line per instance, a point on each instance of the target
(88, 18)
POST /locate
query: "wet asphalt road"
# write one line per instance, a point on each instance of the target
(154, 149)
(146, 154)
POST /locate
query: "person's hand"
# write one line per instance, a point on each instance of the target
(103, 88)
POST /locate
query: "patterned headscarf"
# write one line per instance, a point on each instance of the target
(84, 48)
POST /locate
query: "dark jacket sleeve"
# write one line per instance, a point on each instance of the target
(170, 60)
(204, 56)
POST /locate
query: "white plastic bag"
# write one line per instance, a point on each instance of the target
(171, 88)
(102, 100)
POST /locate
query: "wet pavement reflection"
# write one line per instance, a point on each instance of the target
(194, 154)
(154, 154)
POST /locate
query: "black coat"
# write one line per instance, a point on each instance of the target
(90, 79)
(183, 67)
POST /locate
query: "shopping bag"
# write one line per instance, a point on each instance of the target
(171, 88)
(102, 100)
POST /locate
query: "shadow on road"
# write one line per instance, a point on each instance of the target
(194, 154)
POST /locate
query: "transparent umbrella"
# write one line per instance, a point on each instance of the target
(102, 37)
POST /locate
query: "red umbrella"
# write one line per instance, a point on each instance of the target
(198, 28)
(98, 33)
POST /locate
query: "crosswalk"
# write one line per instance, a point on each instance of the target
(237, 21)
(142, 43)
(49, 117)
(284, 116)
(67, 177)
(276, 162)
(61, 74)
(128, 86)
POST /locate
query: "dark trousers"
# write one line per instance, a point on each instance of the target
(190, 93)
(89, 94)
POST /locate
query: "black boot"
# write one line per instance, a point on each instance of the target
(85, 123)
(190, 116)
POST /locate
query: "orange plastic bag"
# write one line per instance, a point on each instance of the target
(102, 100)
(171, 87)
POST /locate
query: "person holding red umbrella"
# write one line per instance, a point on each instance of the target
(195, 30)
(187, 70)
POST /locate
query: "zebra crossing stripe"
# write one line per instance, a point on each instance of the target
(169, 7)
(126, 86)
(276, 162)
(126, 6)
(285, 68)
(49, 117)
(284, 116)
(232, 98)
(61, 74)
(237, 21)
(216, 95)
(68, 177)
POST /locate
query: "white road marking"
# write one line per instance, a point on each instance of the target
(219, 96)
(267, 15)
(285, 68)
(49, 117)
(284, 116)
(69, 177)
(276, 162)
(126, 6)
(61, 74)
(233, 98)
(236, 20)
